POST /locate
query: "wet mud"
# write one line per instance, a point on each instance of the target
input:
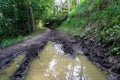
(54, 65)
(94, 50)
(32, 54)
(71, 46)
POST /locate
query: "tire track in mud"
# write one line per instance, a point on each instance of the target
(71, 45)
(31, 51)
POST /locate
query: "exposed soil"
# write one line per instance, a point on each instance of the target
(97, 54)
(9, 52)
(71, 46)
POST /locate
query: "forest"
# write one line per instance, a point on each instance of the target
(99, 18)
(20, 18)
(90, 28)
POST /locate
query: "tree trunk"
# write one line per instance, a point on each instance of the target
(61, 6)
(30, 17)
(77, 2)
(68, 3)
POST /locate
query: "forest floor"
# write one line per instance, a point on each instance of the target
(71, 46)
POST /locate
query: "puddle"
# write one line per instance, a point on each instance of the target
(7, 72)
(53, 65)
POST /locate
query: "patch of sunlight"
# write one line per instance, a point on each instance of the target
(39, 24)
(81, 1)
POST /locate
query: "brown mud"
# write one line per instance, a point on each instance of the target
(71, 46)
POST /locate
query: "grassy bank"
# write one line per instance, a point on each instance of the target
(98, 19)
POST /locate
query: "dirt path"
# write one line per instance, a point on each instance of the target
(22, 46)
(71, 45)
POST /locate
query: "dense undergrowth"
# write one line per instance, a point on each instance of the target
(98, 19)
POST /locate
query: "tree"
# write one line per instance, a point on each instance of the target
(69, 4)
(77, 2)
(30, 17)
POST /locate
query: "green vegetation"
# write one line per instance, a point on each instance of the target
(20, 18)
(97, 19)
(9, 41)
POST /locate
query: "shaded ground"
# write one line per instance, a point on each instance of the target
(71, 46)
(24, 45)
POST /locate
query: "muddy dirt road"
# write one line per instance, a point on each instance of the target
(71, 46)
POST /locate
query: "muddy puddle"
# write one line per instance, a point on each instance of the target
(7, 72)
(52, 64)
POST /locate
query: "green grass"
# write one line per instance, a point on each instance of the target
(100, 19)
(6, 42)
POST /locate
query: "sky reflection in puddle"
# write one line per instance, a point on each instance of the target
(53, 65)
